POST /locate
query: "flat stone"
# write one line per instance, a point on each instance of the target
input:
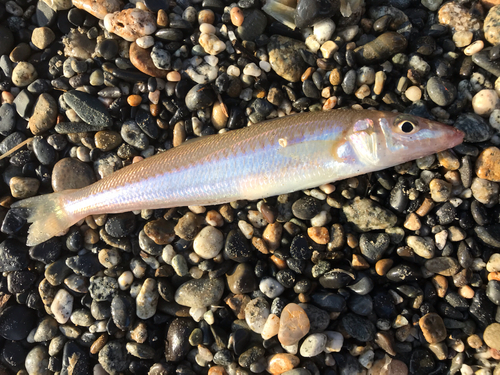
(367, 215)
(380, 49)
(198, 293)
(88, 108)
(294, 324)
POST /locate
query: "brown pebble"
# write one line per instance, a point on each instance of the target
(352, 241)
(280, 263)
(99, 343)
(426, 206)
(260, 245)
(90, 237)
(44, 114)
(385, 340)
(134, 100)
(319, 235)
(335, 77)
(98, 8)
(7, 97)
(474, 341)
(440, 190)
(466, 291)
(237, 16)
(448, 160)
(70, 173)
(272, 236)
(179, 134)
(173, 76)
(307, 74)
(359, 263)
(488, 164)
(141, 59)
(162, 18)
(237, 303)
(494, 276)
(107, 140)
(440, 284)
(154, 109)
(383, 266)
(23, 187)
(433, 328)
(42, 37)
(160, 231)
(219, 116)
(412, 222)
(206, 16)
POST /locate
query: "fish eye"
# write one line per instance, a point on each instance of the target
(406, 125)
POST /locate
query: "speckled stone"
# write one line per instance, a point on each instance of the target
(488, 164)
(492, 26)
(200, 292)
(285, 58)
(44, 114)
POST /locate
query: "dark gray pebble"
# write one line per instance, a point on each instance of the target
(236, 247)
(476, 129)
(441, 91)
(71, 367)
(359, 328)
(177, 339)
(200, 97)
(120, 225)
(7, 119)
(13, 255)
(24, 102)
(122, 311)
(250, 356)
(373, 246)
(329, 301)
(103, 288)
(253, 26)
(133, 135)
(44, 152)
(113, 357)
(306, 208)
(16, 322)
(85, 265)
(88, 108)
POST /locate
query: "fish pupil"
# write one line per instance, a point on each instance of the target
(407, 127)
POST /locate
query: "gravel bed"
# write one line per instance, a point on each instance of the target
(396, 272)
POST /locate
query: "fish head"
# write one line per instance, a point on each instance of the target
(386, 139)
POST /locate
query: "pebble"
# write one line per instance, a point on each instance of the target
(70, 173)
(23, 74)
(37, 360)
(88, 108)
(433, 328)
(113, 357)
(62, 306)
(199, 293)
(281, 363)
(256, 314)
(294, 324)
(491, 336)
(208, 242)
(488, 164)
(271, 287)
(130, 24)
(147, 299)
(383, 47)
(367, 215)
(23, 187)
(241, 279)
(441, 91)
(97, 9)
(285, 58)
(141, 58)
(313, 345)
(358, 327)
(485, 102)
(490, 25)
(44, 114)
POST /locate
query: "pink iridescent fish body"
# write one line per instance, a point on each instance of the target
(274, 157)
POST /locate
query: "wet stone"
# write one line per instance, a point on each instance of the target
(177, 339)
(242, 279)
(256, 314)
(441, 91)
(318, 318)
(306, 208)
(199, 97)
(254, 23)
(373, 246)
(433, 328)
(13, 256)
(121, 225)
(488, 164)
(236, 247)
(386, 45)
(7, 119)
(85, 265)
(103, 288)
(70, 173)
(476, 129)
(250, 356)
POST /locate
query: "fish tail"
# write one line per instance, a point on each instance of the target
(47, 215)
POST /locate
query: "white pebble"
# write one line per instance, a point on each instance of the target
(252, 70)
(233, 70)
(125, 280)
(462, 38)
(313, 345)
(485, 102)
(265, 66)
(475, 47)
(271, 287)
(197, 313)
(145, 41)
(168, 254)
(211, 60)
(206, 28)
(312, 43)
(413, 93)
(208, 242)
(256, 313)
(209, 317)
(334, 341)
(291, 349)
(323, 30)
(62, 306)
(147, 299)
(246, 229)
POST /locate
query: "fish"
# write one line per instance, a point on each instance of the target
(277, 156)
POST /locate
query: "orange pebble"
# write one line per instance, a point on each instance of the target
(237, 16)
(494, 276)
(174, 76)
(359, 263)
(154, 109)
(134, 100)
(280, 263)
(307, 74)
(217, 370)
(7, 97)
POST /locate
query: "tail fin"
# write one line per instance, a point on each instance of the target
(47, 215)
